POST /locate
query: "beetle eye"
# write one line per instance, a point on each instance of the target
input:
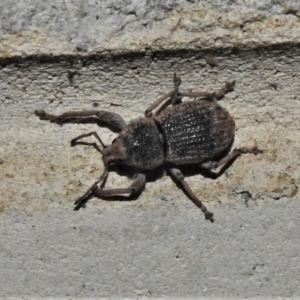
(113, 162)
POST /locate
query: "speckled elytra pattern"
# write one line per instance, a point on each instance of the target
(195, 131)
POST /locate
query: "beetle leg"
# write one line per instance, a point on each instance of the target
(176, 173)
(209, 165)
(173, 97)
(228, 87)
(138, 183)
(103, 118)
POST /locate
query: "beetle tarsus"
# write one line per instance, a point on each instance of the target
(209, 216)
(254, 150)
(47, 117)
(228, 87)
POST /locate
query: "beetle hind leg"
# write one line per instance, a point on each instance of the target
(210, 165)
(174, 97)
(176, 173)
(219, 94)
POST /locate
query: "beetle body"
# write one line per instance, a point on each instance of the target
(188, 133)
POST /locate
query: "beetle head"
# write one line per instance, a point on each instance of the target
(115, 153)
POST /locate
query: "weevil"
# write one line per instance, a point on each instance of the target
(172, 134)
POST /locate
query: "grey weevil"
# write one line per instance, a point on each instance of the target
(172, 134)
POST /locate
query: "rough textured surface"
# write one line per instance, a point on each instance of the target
(31, 27)
(159, 245)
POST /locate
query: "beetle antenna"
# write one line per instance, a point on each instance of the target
(95, 134)
(103, 175)
(89, 193)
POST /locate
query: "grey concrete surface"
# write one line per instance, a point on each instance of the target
(166, 250)
(57, 57)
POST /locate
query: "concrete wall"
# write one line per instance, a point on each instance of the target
(119, 56)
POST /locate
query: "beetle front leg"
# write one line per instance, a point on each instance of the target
(137, 185)
(102, 118)
(176, 173)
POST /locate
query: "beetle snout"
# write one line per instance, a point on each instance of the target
(113, 154)
(108, 158)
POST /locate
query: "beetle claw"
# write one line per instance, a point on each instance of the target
(209, 216)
